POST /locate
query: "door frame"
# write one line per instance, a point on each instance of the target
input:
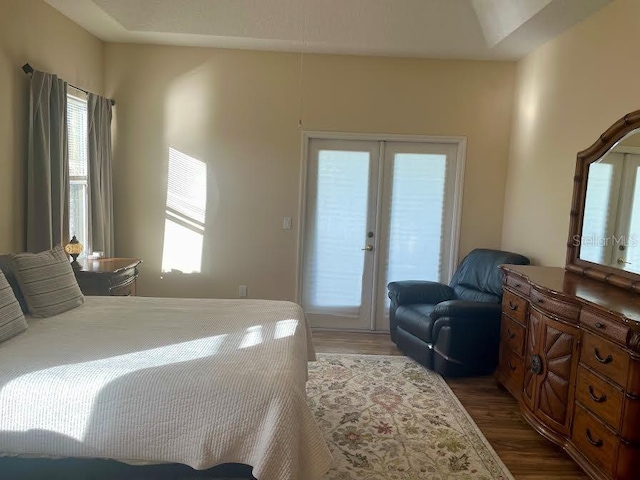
(307, 135)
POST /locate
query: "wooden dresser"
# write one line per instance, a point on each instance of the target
(108, 276)
(570, 354)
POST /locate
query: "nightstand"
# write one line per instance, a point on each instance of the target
(108, 276)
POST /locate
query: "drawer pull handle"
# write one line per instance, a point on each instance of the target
(517, 285)
(595, 398)
(513, 306)
(609, 358)
(540, 300)
(599, 325)
(511, 366)
(510, 334)
(595, 443)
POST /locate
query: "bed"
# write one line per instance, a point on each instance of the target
(151, 381)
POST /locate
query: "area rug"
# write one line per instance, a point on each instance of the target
(388, 418)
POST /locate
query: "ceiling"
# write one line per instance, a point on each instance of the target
(473, 29)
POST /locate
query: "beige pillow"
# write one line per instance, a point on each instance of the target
(47, 282)
(12, 320)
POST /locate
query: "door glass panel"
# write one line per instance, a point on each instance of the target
(597, 217)
(417, 207)
(633, 238)
(335, 261)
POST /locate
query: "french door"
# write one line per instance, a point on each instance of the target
(628, 258)
(375, 211)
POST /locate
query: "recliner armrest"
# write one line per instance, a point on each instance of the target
(419, 291)
(467, 342)
(463, 308)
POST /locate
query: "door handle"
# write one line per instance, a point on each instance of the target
(368, 248)
(622, 261)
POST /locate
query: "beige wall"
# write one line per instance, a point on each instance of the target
(237, 111)
(631, 141)
(31, 31)
(568, 92)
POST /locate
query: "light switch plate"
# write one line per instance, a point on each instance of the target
(286, 224)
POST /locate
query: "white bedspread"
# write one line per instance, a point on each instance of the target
(143, 380)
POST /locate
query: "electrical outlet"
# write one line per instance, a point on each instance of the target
(286, 223)
(242, 291)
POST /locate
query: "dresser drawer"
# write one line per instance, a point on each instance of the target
(511, 371)
(124, 290)
(600, 397)
(108, 276)
(518, 284)
(630, 424)
(122, 277)
(628, 462)
(556, 307)
(618, 332)
(604, 357)
(594, 440)
(514, 306)
(512, 334)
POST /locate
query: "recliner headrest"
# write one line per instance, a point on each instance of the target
(479, 270)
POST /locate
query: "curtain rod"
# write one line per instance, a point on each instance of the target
(26, 68)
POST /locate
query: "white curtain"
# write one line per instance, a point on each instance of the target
(47, 185)
(100, 175)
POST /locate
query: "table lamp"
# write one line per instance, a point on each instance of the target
(74, 248)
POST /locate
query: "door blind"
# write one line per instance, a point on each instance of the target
(417, 203)
(334, 261)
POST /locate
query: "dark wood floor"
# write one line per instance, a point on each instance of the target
(525, 453)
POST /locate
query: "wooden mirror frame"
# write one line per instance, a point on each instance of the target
(603, 273)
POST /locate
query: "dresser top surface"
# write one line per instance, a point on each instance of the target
(559, 281)
(108, 265)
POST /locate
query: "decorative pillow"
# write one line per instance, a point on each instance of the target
(12, 320)
(47, 282)
(13, 281)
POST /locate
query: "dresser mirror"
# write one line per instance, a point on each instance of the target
(611, 222)
(604, 234)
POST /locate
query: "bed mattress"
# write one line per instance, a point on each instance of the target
(149, 380)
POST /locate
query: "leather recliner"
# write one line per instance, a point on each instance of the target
(453, 329)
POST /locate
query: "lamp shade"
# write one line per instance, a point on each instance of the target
(74, 247)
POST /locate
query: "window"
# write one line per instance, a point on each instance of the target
(77, 133)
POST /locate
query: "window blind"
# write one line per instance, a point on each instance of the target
(77, 132)
(77, 144)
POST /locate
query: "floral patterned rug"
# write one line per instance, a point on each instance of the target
(388, 418)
